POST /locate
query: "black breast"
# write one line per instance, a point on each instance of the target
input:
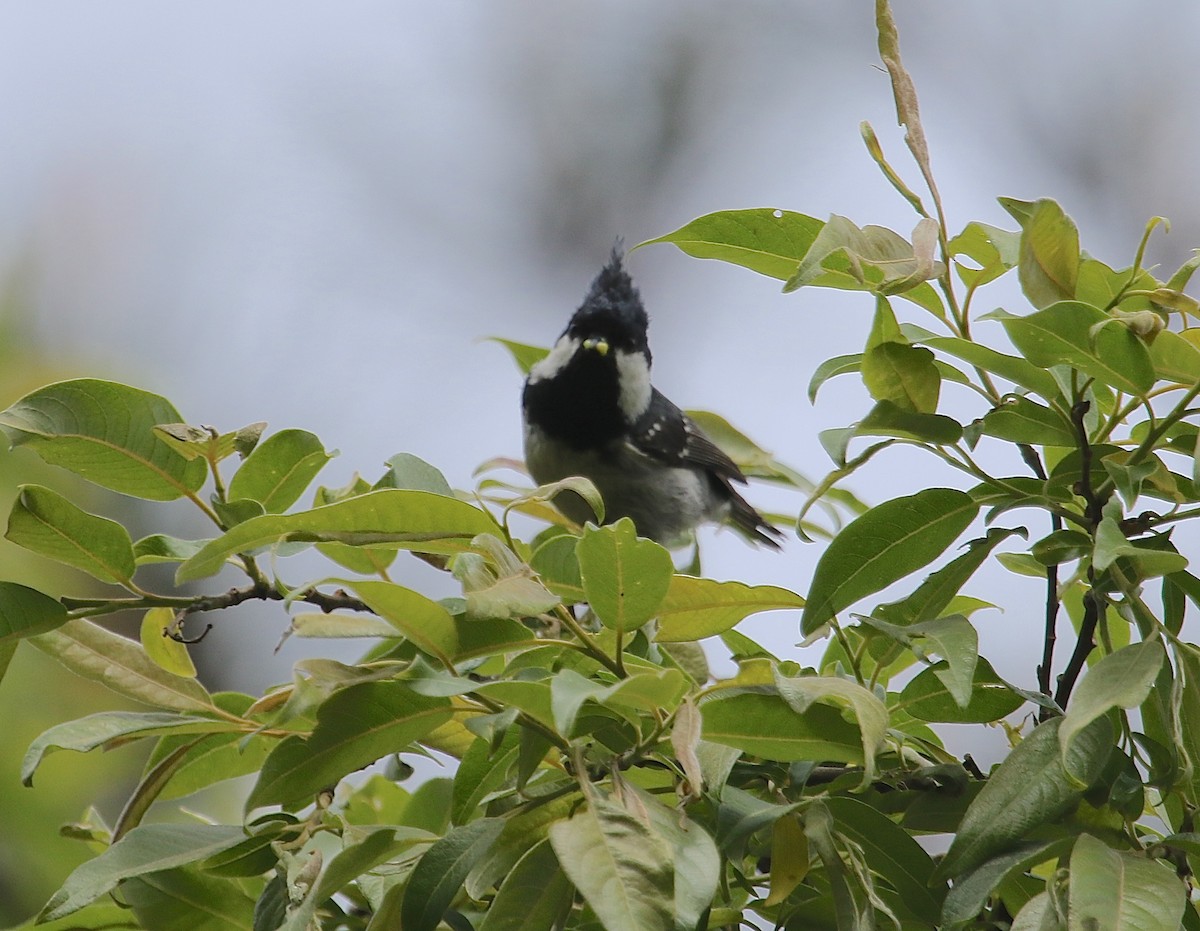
(579, 404)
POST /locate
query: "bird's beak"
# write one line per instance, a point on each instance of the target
(597, 343)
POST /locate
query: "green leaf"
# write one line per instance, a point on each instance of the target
(1116, 891)
(525, 355)
(531, 697)
(1012, 368)
(204, 442)
(556, 564)
(1049, 255)
(621, 866)
(160, 548)
(891, 852)
(104, 432)
(955, 640)
(625, 577)
(767, 726)
(148, 848)
(26, 612)
(1020, 420)
(46, 523)
(349, 864)
(790, 859)
(994, 250)
(927, 698)
(215, 758)
(697, 608)
(1064, 333)
(1034, 785)
(886, 419)
(1037, 914)
(1112, 544)
(279, 469)
(830, 368)
(740, 815)
(535, 896)
(1061, 546)
(339, 626)
(770, 242)
(695, 857)
(163, 650)
(800, 692)
(1101, 285)
(118, 663)
(414, 519)
(971, 891)
(646, 692)
(1120, 680)
(931, 598)
(872, 258)
(903, 374)
(408, 471)
(751, 458)
(498, 584)
(1175, 358)
(187, 900)
(355, 727)
(887, 543)
(104, 915)
(848, 911)
(523, 829)
(441, 871)
(96, 730)
(482, 770)
(568, 692)
(423, 621)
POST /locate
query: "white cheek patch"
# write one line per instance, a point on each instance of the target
(555, 361)
(633, 373)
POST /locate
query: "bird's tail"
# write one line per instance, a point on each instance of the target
(751, 524)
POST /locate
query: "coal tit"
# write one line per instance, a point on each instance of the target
(589, 409)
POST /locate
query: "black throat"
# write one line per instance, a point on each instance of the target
(578, 405)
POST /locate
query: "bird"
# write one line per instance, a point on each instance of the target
(589, 409)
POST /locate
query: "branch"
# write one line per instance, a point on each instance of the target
(1092, 605)
(1093, 602)
(183, 605)
(1029, 454)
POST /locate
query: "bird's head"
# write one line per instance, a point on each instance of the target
(611, 317)
(596, 379)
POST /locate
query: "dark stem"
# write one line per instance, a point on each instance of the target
(1044, 671)
(1050, 636)
(1093, 601)
(1092, 605)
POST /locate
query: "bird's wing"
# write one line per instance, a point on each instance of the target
(666, 433)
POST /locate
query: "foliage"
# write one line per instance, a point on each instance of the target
(604, 778)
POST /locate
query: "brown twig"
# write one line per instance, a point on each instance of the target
(184, 605)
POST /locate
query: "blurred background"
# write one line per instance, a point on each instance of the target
(311, 215)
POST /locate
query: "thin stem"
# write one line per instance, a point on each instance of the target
(98, 607)
(969, 466)
(526, 720)
(205, 509)
(1157, 431)
(588, 642)
(851, 656)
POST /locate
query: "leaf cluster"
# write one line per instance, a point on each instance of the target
(603, 777)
